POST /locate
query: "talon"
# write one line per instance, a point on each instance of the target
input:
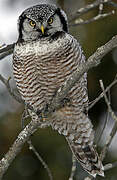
(41, 114)
(43, 117)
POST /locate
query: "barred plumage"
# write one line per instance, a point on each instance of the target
(41, 65)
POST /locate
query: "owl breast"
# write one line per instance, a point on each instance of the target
(40, 68)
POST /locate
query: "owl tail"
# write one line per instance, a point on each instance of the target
(78, 130)
(88, 158)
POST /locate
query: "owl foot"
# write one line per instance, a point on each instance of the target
(43, 114)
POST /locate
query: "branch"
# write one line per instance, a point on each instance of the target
(88, 8)
(110, 166)
(112, 4)
(73, 169)
(9, 48)
(6, 83)
(25, 115)
(114, 129)
(17, 146)
(16, 97)
(98, 17)
(105, 148)
(6, 51)
(32, 148)
(102, 94)
(110, 137)
(92, 61)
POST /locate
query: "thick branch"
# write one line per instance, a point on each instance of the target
(92, 61)
(17, 145)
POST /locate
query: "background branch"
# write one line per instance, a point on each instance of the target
(92, 61)
(114, 129)
(98, 17)
(6, 50)
(87, 8)
(111, 135)
(79, 21)
(25, 115)
(102, 94)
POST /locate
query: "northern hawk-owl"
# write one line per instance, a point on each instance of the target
(45, 55)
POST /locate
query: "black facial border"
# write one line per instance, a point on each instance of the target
(21, 21)
(63, 20)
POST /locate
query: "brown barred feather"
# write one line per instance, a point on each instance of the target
(40, 68)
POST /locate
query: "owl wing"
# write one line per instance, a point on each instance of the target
(73, 123)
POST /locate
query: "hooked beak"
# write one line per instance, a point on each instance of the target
(42, 29)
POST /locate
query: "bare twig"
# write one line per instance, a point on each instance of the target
(6, 50)
(17, 145)
(88, 8)
(88, 178)
(114, 129)
(6, 83)
(32, 148)
(102, 94)
(110, 166)
(25, 115)
(9, 48)
(105, 122)
(73, 169)
(99, 16)
(112, 4)
(101, 7)
(15, 96)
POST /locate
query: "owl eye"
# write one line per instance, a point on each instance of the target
(50, 20)
(32, 23)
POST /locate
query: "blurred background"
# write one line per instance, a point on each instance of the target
(51, 146)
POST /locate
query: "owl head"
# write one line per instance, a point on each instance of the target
(40, 21)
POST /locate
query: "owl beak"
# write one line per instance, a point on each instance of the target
(42, 29)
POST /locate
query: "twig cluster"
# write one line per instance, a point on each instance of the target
(96, 4)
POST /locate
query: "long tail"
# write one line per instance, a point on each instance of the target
(78, 130)
(88, 158)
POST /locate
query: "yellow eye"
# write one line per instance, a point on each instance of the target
(32, 23)
(50, 20)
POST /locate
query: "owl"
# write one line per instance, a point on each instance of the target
(45, 55)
